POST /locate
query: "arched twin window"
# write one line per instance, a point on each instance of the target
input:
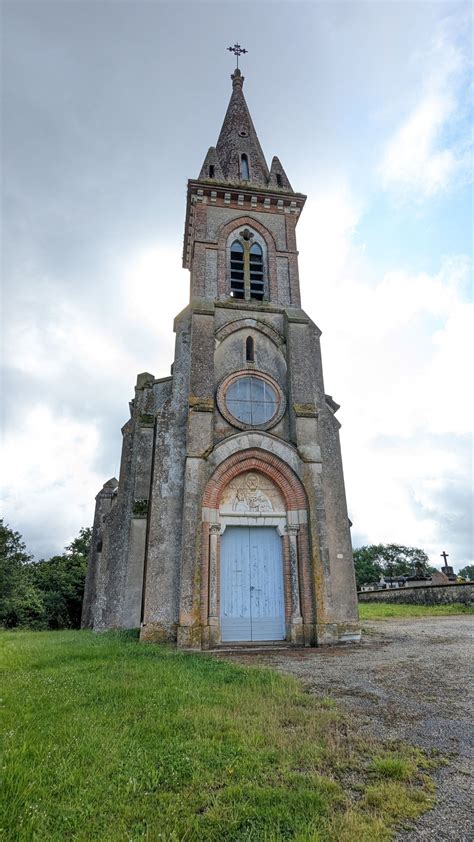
(246, 270)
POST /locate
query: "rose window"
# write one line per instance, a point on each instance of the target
(251, 400)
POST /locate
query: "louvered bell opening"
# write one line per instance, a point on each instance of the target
(257, 288)
(237, 287)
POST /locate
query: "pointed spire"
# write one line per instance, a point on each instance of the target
(278, 176)
(238, 147)
(238, 156)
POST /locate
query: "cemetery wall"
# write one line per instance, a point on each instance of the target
(430, 595)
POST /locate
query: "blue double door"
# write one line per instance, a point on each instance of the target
(252, 601)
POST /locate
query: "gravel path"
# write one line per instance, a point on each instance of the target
(409, 679)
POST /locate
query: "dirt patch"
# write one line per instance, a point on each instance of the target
(411, 680)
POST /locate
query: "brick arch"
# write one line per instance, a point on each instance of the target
(263, 462)
(227, 228)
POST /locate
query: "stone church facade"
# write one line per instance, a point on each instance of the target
(229, 521)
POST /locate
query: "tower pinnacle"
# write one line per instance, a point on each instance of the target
(237, 79)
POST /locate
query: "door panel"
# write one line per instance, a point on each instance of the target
(235, 584)
(266, 589)
(252, 605)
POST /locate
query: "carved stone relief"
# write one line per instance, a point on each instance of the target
(252, 493)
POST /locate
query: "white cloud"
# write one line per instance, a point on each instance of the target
(395, 348)
(83, 365)
(51, 338)
(419, 160)
(412, 490)
(153, 290)
(450, 398)
(51, 484)
(325, 233)
(47, 335)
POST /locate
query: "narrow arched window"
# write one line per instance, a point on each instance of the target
(279, 180)
(211, 170)
(244, 168)
(237, 284)
(249, 349)
(256, 272)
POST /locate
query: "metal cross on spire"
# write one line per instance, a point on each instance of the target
(444, 555)
(238, 51)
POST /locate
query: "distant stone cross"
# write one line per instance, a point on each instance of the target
(238, 51)
(444, 555)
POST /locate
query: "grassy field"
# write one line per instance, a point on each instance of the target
(109, 739)
(386, 611)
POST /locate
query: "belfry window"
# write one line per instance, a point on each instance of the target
(247, 268)
(244, 168)
(256, 272)
(237, 283)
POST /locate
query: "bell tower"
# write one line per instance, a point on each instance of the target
(229, 523)
(259, 262)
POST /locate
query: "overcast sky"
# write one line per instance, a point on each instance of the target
(108, 108)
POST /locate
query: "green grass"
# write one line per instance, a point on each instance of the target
(109, 739)
(385, 611)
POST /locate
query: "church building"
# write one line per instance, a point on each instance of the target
(229, 521)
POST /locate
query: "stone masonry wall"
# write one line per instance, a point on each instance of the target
(432, 595)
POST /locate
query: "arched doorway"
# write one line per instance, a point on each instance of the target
(256, 579)
(252, 601)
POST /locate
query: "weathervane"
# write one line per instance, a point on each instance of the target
(238, 51)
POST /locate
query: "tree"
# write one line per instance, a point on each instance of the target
(372, 562)
(467, 572)
(20, 602)
(43, 594)
(61, 579)
(367, 566)
(81, 545)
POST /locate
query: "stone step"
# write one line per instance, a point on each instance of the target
(252, 648)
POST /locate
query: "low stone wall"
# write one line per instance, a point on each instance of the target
(434, 595)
